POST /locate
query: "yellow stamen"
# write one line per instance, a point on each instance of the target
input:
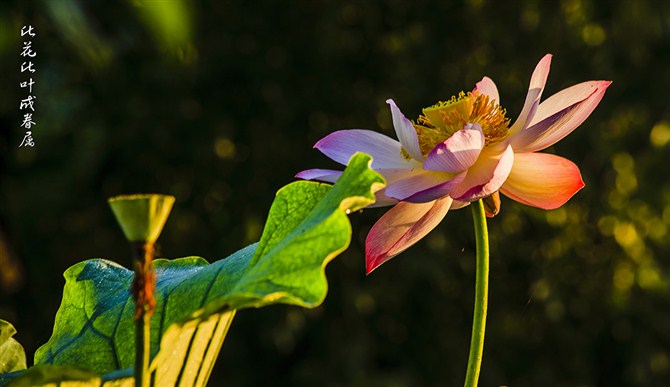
(491, 117)
(450, 115)
(445, 118)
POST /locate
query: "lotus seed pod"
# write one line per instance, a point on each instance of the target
(142, 216)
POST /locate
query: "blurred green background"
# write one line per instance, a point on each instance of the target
(219, 103)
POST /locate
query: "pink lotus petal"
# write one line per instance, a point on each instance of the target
(391, 175)
(327, 175)
(382, 200)
(385, 151)
(537, 82)
(486, 176)
(423, 186)
(559, 115)
(542, 180)
(437, 191)
(457, 205)
(331, 176)
(405, 132)
(401, 227)
(457, 153)
(487, 87)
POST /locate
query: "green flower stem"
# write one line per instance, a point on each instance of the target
(481, 295)
(143, 289)
(142, 346)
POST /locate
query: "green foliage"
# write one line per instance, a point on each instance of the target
(189, 350)
(12, 355)
(55, 375)
(307, 226)
(187, 353)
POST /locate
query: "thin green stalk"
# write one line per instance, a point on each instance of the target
(481, 295)
(142, 217)
(142, 346)
(143, 289)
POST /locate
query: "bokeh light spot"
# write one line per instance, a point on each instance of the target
(660, 134)
(593, 34)
(224, 148)
(623, 277)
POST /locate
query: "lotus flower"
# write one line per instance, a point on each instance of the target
(463, 150)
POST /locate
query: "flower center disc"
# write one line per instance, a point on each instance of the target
(445, 118)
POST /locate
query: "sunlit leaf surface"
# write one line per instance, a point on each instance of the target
(52, 375)
(12, 355)
(307, 226)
